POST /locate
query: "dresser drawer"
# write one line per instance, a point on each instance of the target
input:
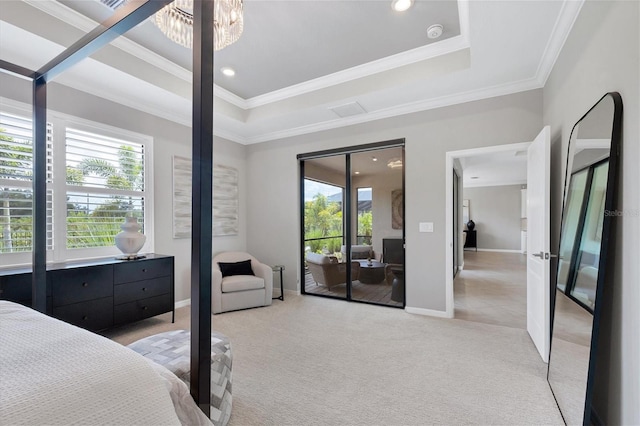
(140, 309)
(142, 270)
(15, 288)
(80, 284)
(128, 292)
(92, 315)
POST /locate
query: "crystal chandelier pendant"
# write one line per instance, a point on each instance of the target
(176, 22)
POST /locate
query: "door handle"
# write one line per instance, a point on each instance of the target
(545, 256)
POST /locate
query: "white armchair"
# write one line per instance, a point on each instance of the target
(235, 292)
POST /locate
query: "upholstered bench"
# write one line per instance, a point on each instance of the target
(171, 349)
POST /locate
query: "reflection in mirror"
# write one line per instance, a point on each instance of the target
(589, 186)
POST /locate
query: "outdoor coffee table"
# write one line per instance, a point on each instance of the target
(371, 273)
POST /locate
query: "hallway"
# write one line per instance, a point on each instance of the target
(492, 289)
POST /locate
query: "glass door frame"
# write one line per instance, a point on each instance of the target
(347, 212)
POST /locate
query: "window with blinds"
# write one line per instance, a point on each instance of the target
(16, 193)
(104, 183)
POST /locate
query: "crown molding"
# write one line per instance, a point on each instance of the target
(495, 183)
(418, 54)
(64, 13)
(408, 57)
(230, 97)
(408, 108)
(564, 23)
(184, 120)
(96, 90)
(85, 24)
(222, 132)
(566, 19)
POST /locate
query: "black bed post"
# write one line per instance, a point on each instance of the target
(39, 199)
(202, 207)
(125, 18)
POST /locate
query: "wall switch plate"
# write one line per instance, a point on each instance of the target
(426, 226)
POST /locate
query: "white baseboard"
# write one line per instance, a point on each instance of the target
(427, 312)
(183, 303)
(187, 302)
(501, 250)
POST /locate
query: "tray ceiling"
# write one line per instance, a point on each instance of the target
(298, 59)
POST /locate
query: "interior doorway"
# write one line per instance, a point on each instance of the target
(486, 227)
(537, 222)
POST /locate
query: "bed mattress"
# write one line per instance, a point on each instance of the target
(55, 373)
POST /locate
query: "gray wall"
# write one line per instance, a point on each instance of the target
(496, 213)
(169, 139)
(601, 55)
(272, 174)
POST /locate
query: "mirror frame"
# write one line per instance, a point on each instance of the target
(589, 415)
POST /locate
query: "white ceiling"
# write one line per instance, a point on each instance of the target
(297, 59)
(495, 169)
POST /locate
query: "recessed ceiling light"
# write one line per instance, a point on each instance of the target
(229, 72)
(357, 173)
(374, 159)
(401, 5)
(434, 31)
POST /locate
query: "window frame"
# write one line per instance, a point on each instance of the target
(60, 122)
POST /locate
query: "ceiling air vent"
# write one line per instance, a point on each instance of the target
(347, 110)
(113, 4)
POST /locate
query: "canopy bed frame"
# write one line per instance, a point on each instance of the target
(124, 19)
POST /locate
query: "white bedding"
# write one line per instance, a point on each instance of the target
(57, 374)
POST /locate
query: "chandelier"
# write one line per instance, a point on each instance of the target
(176, 22)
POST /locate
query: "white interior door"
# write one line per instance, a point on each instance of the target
(538, 236)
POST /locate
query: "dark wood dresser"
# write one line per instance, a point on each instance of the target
(101, 293)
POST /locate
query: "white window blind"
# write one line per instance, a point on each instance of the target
(16, 193)
(105, 183)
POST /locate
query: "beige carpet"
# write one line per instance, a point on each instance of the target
(315, 361)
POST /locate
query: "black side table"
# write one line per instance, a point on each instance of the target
(472, 239)
(279, 268)
(397, 286)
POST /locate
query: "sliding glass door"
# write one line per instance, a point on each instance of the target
(354, 199)
(324, 196)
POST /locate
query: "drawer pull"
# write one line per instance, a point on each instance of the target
(144, 289)
(85, 317)
(144, 308)
(85, 284)
(144, 270)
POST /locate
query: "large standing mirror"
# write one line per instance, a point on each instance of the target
(588, 208)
